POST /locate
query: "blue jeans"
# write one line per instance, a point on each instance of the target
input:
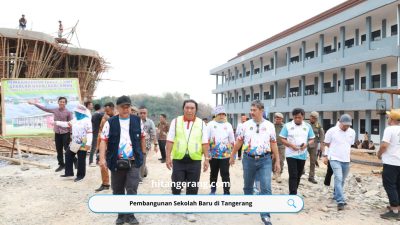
(262, 168)
(340, 170)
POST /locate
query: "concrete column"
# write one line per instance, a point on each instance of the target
(398, 29)
(356, 122)
(342, 40)
(243, 72)
(368, 30)
(368, 122)
(261, 66)
(368, 75)
(398, 71)
(357, 38)
(321, 118)
(382, 125)
(334, 78)
(316, 50)
(261, 92)
(303, 52)
(216, 99)
(287, 116)
(342, 82)
(334, 117)
(383, 75)
(275, 61)
(383, 31)
(321, 47)
(356, 79)
(288, 58)
(321, 87)
(316, 85)
(222, 98)
(251, 70)
(287, 90)
(243, 96)
(275, 92)
(216, 81)
(303, 89)
(251, 93)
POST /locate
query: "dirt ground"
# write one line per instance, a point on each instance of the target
(41, 196)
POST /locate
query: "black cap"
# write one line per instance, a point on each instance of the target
(124, 100)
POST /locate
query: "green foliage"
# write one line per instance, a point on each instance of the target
(169, 104)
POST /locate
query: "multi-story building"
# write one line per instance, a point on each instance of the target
(324, 64)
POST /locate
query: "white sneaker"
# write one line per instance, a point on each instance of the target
(191, 217)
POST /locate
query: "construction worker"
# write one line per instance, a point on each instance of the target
(278, 122)
(312, 148)
(22, 22)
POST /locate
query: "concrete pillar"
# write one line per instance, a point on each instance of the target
(321, 87)
(383, 75)
(357, 38)
(368, 123)
(342, 40)
(368, 75)
(261, 92)
(356, 124)
(321, 118)
(243, 96)
(275, 61)
(382, 125)
(316, 50)
(303, 52)
(334, 117)
(303, 89)
(383, 31)
(216, 99)
(251, 93)
(288, 58)
(356, 79)
(321, 47)
(287, 90)
(287, 116)
(316, 85)
(243, 72)
(368, 30)
(398, 28)
(261, 66)
(275, 92)
(342, 82)
(222, 98)
(251, 70)
(334, 78)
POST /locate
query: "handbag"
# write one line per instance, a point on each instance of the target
(74, 147)
(123, 164)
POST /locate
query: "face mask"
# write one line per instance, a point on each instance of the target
(79, 116)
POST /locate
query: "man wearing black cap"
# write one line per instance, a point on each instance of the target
(122, 137)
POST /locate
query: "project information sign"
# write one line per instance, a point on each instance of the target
(21, 119)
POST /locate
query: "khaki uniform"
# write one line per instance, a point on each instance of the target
(281, 147)
(312, 149)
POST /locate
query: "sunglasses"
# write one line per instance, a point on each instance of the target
(258, 128)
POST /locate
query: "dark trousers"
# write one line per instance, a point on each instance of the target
(240, 152)
(125, 180)
(391, 183)
(94, 147)
(222, 165)
(328, 176)
(185, 171)
(62, 142)
(162, 144)
(69, 163)
(295, 168)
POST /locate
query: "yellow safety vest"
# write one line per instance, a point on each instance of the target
(182, 145)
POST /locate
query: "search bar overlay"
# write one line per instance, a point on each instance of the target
(196, 203)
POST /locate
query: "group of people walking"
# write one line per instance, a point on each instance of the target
(188, 145)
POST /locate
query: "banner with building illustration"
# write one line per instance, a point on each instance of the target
(21, 119)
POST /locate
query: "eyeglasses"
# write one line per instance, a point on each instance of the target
(258, 128)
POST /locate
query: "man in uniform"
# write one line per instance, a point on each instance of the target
(312, 148)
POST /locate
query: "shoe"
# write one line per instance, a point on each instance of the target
(120, 220)
(131, 219)
(66, 175)
(60, 168)
(213, 191)
(190, 217)
(162, 160)
(78, 179)
(390, 215)
(340, 206)
(240, 158)
(312, 180)
(266, 221)
(317, 164)
(102, 188)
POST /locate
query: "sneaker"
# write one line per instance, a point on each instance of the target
(66, 175)
(60, 168)
(340, 206)
(312, 180)
(162, 160)
(78, 179)
(102, 188)
(120, 220)
(266, 221)
(390, 215)
(131, 219)
(190, 217)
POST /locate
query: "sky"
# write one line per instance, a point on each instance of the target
(159, 46)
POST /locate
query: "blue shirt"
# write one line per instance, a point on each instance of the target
(297, 135)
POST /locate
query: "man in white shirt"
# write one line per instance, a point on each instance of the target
(243, 119)
(389, 152)
(339, 140)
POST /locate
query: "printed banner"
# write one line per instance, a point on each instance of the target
(19, 118)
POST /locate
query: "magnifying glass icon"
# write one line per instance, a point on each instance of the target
(290, 202)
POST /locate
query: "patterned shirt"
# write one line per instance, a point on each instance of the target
(256, 138)
(162, 130)
(221, 139)
(59, 115)
(149, 132)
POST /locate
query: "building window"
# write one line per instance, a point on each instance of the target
(349, 43)
(256, 96)
(375, 127)
(247, 98)
(393, 79)
(309, 55)
(363, 83)
(326, 123)
(362, 127)
(376, 35)
(328, 49)
(240, 75)
(267, 95)
(309, 90)
(256, 71)
(294, 92)
(294, 59)
(376, 81)
(232, 99)
(393, 30)
(349, 85)
(363, 38)
(328, 88)
(240, 98)
(247, 73)
(267, 67)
